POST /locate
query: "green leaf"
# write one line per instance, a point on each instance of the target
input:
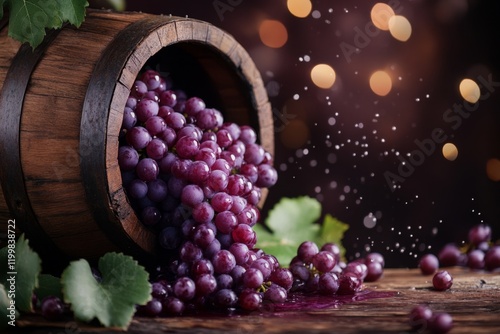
(23, 269)
(291, 221)
(118, 5)
(124, 285)
(72, 11)
(48, 285)
(332, 230)
(29, 19)
(8, 312)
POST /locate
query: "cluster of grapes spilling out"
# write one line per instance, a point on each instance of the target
(196, 180)
(480, 253)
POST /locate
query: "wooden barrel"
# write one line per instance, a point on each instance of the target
(61, 108)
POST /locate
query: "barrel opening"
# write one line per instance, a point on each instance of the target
(204, 71)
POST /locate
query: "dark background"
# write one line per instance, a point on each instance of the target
(451, 40)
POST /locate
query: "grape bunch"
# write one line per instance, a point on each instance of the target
(196, 181)
(480, 253)
(320, 270)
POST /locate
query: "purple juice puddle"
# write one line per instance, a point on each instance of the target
(310, 302)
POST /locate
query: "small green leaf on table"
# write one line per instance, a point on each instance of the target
(24, 271)
(112, 301)
(291, 221)
(48, 285)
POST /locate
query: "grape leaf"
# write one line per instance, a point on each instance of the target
(291, 221)
(29, 19)
(332, 230)
(24, 271)
(72, 11)
(8, 312)
(112, 301)
(48, 285)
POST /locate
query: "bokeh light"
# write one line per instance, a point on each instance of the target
(381, 83)
(299, 8)
(323, 76)
(450, 151)
(469, 90)
(400, 28)
(381, 14)
(273, 33)
(493, 169)
(295, 134)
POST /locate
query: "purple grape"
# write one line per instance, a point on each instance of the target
(224, 281)
(240, 252)
(254, 154)
(208, 119)
(328, 283)
(205, 284)
(137, 189)
(323, 261)
(267, 176)
(164, 111)
(275, 294)
(221, 202)
(233, 129)
(190, 252)
(223, 262)
(224, 138)
(192, 195)
(193, 106)
(375, 270)
(202, 266)
(187, 147)
(442, 280)
(168, 98)
(131, 102)
(440, 323)
(479, 233)
(203, 212)
(150, 216)
(217, 180)
(175, 121)
(247, 135)
(475, 259)
(151, 78)
(492, 258)
(203, 236)
(306, 251)
(419, 317)
(249, 300)
(332, 248)
(264, 267)
(199, 172)
(155, 125)
(245, 234)
(145, 109)
(170, 238)
(223, 165)
(128, 158)
(283, 277)
(226, 298)
(349, 284)
(147, 169)
(428, 264)
(138, 137)
(157, 190)
(180, 168)
(449, 255)
(152, 308)
(206, 155)
(173, 306)
(52, 308)
(129, 118)
(169, 136)
(139, 89)
(184, 288)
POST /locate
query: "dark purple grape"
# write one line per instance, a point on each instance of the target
(226, 298)
(328, 283)
(152, 308)
(205, 284)
(145, 109)
(249, 300)
(449, 256)
(419, 317)
(173, 306)
(253, 278)
(128, 158)
(147, 169)
(349, 284)
(223, 262)
(306, 251)
(442, 280)
(323, 261)
(492, 258)
(275, 294)
(129, 118)
(375, 270)
(168, 98)
(184, 288)
(475, 259)
(440, 323)
(245, 234)
(283, 277)
(479, 233)
(138, 137)
(428, 264)
(52, 308)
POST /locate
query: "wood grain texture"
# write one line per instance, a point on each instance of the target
(473, 302)
(70, 112)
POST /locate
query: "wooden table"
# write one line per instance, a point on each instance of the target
(473, 301)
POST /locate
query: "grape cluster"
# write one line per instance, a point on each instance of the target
(196, 180)
(479, 255)
(320, 270)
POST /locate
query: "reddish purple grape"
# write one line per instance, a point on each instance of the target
(428, 264)
(442, 280)
(419, 317)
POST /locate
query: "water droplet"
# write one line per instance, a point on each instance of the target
(296, 97)
(316, 14)
(332, 121)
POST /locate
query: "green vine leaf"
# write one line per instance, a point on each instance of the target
(22, 272)
(29, 19)
(112, 301)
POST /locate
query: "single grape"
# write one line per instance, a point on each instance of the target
(419, 317)
(449, 255)
(442, 280)
(328, 283)
(147, 169)
(152, 308)
(307, 250)
(375, 270)
(275, 294)
(138, 137)
(52, 308)
(173, 306)
(492, 258)
(323, 261)
(249, 300)
(226, 298)
(428, 264)
(475, 259)
(283, 277)
(205, 284)
(440, 323)
(223, 262)
(184, 288)
(479, 233)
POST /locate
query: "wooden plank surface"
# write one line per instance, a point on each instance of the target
(473, 301)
